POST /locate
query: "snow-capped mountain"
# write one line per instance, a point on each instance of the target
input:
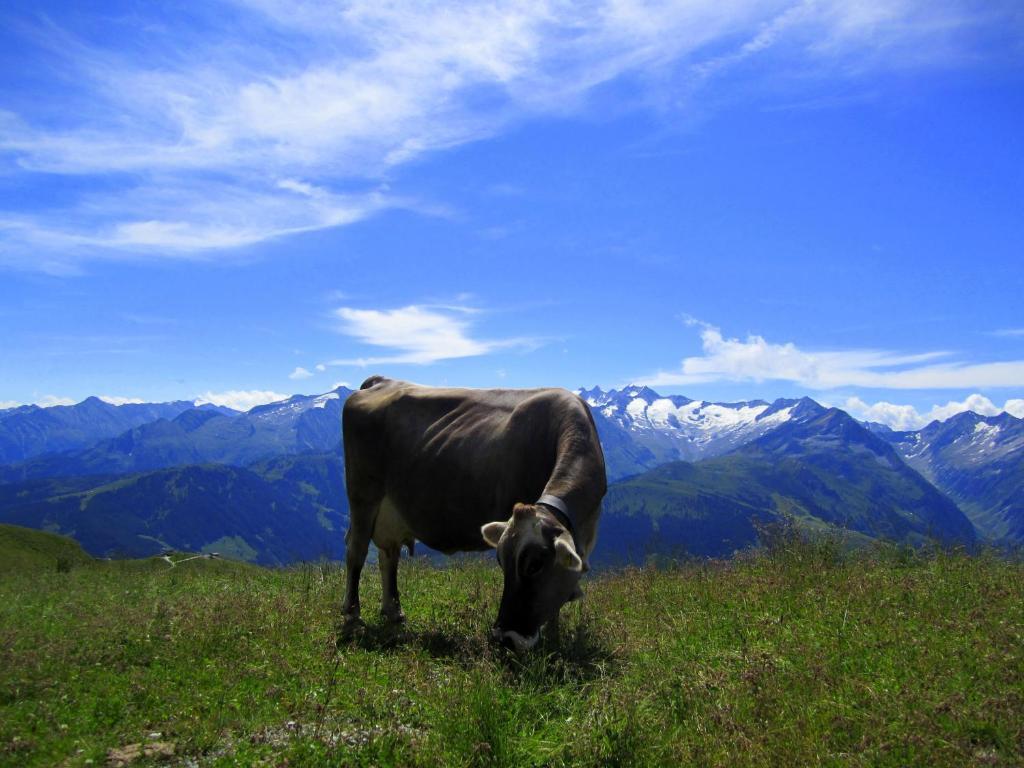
(641, 429)
(979, 462)
(967, 438)
(821, 471)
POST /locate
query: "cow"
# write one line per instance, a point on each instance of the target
(517, 470)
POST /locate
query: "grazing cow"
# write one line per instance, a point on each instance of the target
(466, 469)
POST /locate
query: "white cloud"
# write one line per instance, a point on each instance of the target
(339, 384)
(756, 359)
(1009, 332)
(247, 132)
(977, 403)
(320, 367)
(1015, 408)
(5, 404)
(48, 401)
(116, 400)
(300, 373)
(899, 417)
(907, 417)
(418, 334)
(239, 399)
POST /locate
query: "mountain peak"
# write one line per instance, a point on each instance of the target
(594, 392)
(92, 405)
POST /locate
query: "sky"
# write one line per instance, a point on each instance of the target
(728, 199)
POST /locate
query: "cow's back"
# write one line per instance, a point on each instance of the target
(449, 460)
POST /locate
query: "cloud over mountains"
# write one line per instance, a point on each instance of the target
(755, 359)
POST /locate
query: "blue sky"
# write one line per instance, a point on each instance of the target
(728, 200)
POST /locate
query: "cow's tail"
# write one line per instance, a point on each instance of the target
(372, 381)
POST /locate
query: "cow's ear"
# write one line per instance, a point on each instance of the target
(565, 555)
(492, 532)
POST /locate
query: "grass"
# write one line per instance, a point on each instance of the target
(25, 550)
(802, 656)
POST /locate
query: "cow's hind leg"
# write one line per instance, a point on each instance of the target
(390, 607)
(389, 532)
(357, 542)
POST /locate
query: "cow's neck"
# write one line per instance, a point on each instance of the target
(574, 479)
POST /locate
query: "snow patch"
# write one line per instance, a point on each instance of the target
(637, 408)
(321, 402)
(986, 430)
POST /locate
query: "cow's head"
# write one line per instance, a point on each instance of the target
(542, 572)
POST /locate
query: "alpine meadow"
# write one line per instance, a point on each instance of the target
(511, 383)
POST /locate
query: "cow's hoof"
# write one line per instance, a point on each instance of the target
(393, 617)
(350, 627)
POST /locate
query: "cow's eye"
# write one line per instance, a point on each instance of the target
(531, 565)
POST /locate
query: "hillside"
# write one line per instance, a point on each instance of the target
(24, 549)
(872, 488)
(279, 511)
(790, 658)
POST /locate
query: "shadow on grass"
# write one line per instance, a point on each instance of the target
(574, 653)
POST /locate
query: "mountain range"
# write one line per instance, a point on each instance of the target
(29, 430)
(199, 435)
(640, 429)
(688, 476)
(978, 461)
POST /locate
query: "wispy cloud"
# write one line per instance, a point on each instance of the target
(300, 373)
(5, 404)
(905, 417)
(755, 359)
(241, 399)
(250, 130)
(1009, 332)
(418, 334)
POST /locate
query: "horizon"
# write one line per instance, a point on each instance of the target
(736, 203)
(238, 402)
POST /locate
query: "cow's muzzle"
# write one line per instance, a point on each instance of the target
(514, 640)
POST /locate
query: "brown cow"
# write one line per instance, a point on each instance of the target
(466, 469)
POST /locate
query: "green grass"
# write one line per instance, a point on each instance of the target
(800, 657)
(25, 550)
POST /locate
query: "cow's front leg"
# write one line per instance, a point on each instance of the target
(390, 607)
